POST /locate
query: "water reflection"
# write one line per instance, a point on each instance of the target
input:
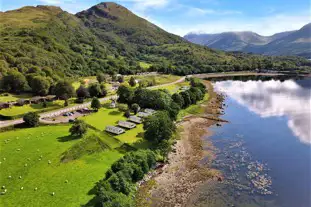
(275, 98)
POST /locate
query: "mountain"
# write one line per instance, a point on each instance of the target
(285, 43)
(47, 41)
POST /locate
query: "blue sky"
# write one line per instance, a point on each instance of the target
(265, 17)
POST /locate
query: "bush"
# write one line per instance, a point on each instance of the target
(123, 107)
(78, 128)
(135, 108)
(127, 114)
(95, 104)
(31, 119)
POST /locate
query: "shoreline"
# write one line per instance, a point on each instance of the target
(173, 183)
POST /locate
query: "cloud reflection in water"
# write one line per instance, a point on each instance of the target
(274, 98)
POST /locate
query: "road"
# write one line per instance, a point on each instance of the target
(58, 112)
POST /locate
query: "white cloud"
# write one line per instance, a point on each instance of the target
(262, 25)
(272, 99)
(195, 12)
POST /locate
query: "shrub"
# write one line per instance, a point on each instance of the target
(31, 119)
(78, 128)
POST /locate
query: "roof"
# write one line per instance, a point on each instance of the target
(114, 130)
(135, 119)
(127, 124)
(143, 114)
(149, 111)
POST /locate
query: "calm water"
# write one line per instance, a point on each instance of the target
(265, 150)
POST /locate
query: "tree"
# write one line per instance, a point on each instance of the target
(178, 99)
(158, 127)
(125, 94)
(64, 90)
(82, 92)
(173, 110)
(94, 90)
(135, 108)
(101, 78)
(127, 114)
(103, 90)
(31, 119)
(95, 104)
(123, 107)
(120, 79)
(14, 82)
(40, 85)
(132, 81)
(186, 97)
(78, 128)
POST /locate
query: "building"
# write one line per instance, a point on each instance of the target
(4, 105)
(36, 100)
(50, 98)
(113, 104)
(135, 119)
(143, 114)
(126, 124)
(149, 111)
(114, 130)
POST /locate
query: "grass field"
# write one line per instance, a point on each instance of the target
(20, 157)
(144, 65)
(193, 109)
(173, 88)
(14, 97)
(19, 110)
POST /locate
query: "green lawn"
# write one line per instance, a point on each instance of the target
(173, 88)
(14, 97)
(20, 110)
(144, 65)
(193, 109)
(20, 157)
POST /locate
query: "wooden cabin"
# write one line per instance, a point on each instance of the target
(126, 124)
(114, 130)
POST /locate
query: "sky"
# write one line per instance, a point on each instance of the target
(265, 17)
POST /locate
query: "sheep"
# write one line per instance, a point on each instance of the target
(66, 181)
(3, 187)
(36, 188)
(4, 158)
(10, 177)
(49, 162)
(20, 177)
(0, 163)
(53, 194)
(18, 149)
(25, 165)
(39, 159)
(22, 188)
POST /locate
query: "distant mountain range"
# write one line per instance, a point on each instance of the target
(296, 43)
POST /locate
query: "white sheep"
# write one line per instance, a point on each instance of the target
(36, 188)
(3, 187)
(4, 158)
(22, 188)
(50, 162)
(66, 181)
(10, 177)
(53, 193)
(20, 177)
(25, 165)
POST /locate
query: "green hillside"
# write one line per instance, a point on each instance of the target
(107, 38)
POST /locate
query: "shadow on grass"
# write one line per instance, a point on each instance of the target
(67, 138)
(142, 144)
(115, 113)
